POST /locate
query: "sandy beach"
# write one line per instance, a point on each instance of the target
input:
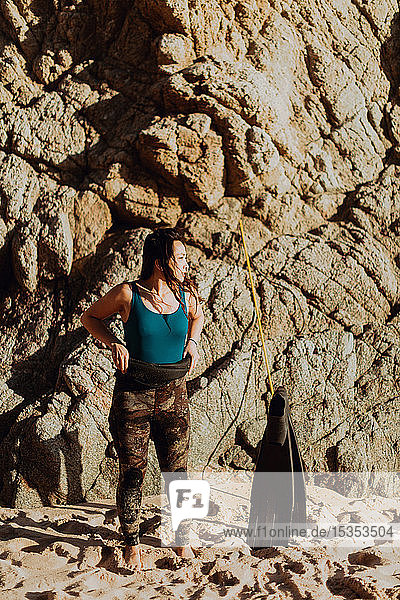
(58, 553)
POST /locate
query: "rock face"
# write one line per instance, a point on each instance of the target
(119, 117)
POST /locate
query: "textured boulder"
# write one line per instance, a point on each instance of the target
(188, 155)
(92, 220)
(116, 118)
(138, 200)
(19, 188)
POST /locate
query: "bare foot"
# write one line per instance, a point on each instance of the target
(132, 557)
(184, 551)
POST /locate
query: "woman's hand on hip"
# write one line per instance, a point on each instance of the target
(191, 349)
(120, 356)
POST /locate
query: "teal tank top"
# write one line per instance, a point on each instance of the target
(153, 337)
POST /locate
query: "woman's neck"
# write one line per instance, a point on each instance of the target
(156, 285)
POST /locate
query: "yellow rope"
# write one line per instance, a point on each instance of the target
(257, 309)
(263, 344)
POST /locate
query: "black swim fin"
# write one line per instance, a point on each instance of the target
(277, 498)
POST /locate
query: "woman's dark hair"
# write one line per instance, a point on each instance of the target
(158, 245)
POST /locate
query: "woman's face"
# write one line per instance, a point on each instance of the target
(178, 262)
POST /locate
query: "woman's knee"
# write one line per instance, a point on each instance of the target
(132, 477)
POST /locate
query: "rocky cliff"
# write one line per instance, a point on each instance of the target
(117, 117)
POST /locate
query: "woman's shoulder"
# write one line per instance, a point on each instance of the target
(126, 287)
(124, 292)
(126, 297)
(194, 304)
(193, 295)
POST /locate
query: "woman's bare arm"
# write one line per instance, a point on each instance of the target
(115, 301)
(196, 322)
(196, 317)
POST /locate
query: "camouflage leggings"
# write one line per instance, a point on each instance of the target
(163, 414)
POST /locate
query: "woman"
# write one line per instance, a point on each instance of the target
(162, 319)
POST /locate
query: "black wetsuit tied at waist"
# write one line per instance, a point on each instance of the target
(145, 376)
